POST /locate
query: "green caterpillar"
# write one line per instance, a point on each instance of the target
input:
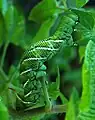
(32, 66)
(87, 105)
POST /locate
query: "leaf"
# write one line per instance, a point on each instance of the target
(81, 52)
(2, 85)
(85, 18)
(54, 87)
(88, 80)
(44, 10)
(38, 117)
(53, 92)
(72, 106)
(3, 6)
(3, 111)
(82, 35)
(15, 25)
(85, 99)
(76, 3)
(63, 99)
(44, 30)
(13, 75)
(2, 29)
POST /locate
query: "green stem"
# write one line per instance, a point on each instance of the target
(22, 115)
(64, 3)
(4, 54)
(58, 79)
(48, 103)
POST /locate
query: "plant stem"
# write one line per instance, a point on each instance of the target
(48, 102)
(64, 3)
(4, 53)
(22, 115)
(58, 79)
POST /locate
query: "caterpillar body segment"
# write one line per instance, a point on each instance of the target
(88, 112)
(32, 64)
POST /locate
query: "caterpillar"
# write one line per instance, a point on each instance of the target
(32, 66)
(87, 104)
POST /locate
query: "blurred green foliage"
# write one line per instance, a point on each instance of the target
(17, 35)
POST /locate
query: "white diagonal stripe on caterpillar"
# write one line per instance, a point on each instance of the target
(26, 71)
(48, 41)
(26, 83)
(44, 48)
(55, 41)
(29, 93)
(29, 59)
(24, 101)
(33, 49)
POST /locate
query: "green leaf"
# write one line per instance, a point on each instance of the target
(44, 10)
(2, 29)
(54, 87)
(3, 6)
(63, 99)
(3, 111)
(53, 92)
(44, 30)
(82, 34)
(88, 79)
(15, 25)
(73, 106)
(2, 85)
(81, 52)
(76, 3)
(38, 117)
(13, 75)
(85, 99)
(85, 18)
